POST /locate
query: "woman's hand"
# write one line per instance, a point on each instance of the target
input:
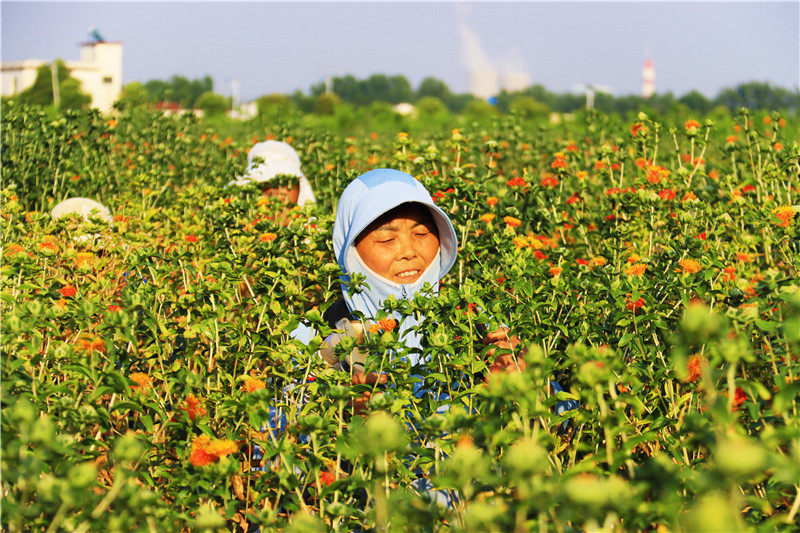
(361, 404)
(505, 362)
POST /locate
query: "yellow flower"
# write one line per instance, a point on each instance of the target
(636, 269)
(785, 214)
(487, 217)
(599, 260)
(252, 384)
(690, 266)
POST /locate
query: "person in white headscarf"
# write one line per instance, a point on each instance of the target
(267, 162)
(85, 207)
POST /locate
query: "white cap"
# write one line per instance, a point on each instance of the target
(84, 207)
(278, 159)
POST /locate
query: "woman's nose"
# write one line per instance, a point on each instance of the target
(407, 248)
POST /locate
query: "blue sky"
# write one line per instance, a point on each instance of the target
(280, 47)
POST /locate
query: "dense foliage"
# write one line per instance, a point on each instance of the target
(650, 267)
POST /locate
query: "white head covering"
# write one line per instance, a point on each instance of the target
(278, 159)
(84, 207)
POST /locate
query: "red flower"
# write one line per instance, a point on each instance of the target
(326, 478)
(633, 306)
(573, 199)
(68, 291)
(739, 397)
(666, 194)
(191, 238)
(549, 181)
(114, 308)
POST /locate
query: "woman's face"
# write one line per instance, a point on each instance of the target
(400, 244)
(287, 195)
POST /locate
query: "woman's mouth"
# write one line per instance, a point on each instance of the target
(408, 275)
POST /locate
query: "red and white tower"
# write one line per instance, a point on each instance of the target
(648, 78)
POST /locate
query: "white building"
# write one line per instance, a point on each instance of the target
(99, 71)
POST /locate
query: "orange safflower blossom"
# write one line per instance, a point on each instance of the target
(206, 450)
(656, 173)
(636, 269)
(48, 247)
(695, 368)
(193, 407)
(691, 126)
(89, 345)
(520, 242)
(689, 197)
(512, 222)
(83, 259)
(142, 380)
(387, 324)
(267, 237)
(634, 258)
(487, 217)
(13, 250)
(785, 214)
(730, 273)
(492, 200)
(549, 181)
(252, 384)
(68, 291)
(638, 127)
(555, 271)
(690, 266)
(599, 261)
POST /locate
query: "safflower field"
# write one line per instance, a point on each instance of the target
(649, 265)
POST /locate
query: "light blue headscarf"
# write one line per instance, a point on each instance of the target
(364, 200)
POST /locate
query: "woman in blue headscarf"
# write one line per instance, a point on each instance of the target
(389, 230)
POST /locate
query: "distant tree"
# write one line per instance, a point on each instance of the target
(479, 109)
(134, 95)
(69, 89)
(756, 95)
(212, 104)
(528, 107)
(399, 90)
(326, 104)
(433, 87)
(179, 89)
(696, 101)
(306, 103)
(274, 104)
(456, 103)
(348, 89)
(430, 106)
